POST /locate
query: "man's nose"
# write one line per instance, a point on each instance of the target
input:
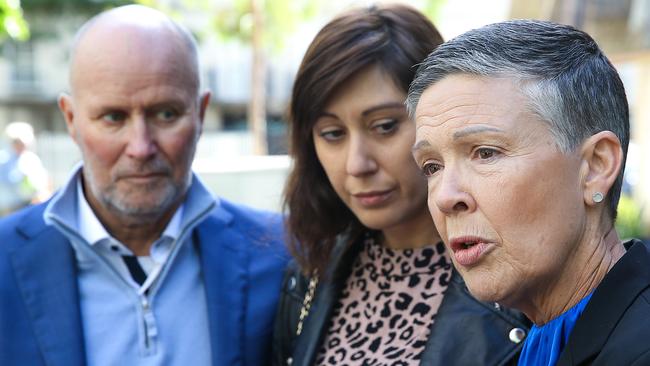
(141, 140)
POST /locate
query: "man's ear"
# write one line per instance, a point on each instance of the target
(203, 106)
(602, 156)
(66, 105)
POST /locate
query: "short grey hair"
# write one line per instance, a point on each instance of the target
(567, 79)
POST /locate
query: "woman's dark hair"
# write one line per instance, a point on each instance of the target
(395, 38)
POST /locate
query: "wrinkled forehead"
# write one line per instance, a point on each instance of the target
(460, 108)
(463, 98)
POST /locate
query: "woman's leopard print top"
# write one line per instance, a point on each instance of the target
(387, 306)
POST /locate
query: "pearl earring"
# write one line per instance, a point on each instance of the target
(597, 197)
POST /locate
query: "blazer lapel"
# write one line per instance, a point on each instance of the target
(45, 270)
(609, 302)
(224, 274)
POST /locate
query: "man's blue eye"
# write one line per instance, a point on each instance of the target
(166, 114)
(114, 117)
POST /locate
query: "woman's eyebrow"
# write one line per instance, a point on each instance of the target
(327, 114)
(388, 105)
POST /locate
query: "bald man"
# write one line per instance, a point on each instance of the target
(134, 262)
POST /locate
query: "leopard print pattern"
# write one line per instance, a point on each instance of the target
(387, 307)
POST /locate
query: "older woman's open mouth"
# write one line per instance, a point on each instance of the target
(468, 250)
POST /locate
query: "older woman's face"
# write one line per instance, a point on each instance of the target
(506, 201)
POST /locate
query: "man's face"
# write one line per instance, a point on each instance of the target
(136, 119)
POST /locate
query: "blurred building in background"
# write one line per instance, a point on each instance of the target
(33, 73)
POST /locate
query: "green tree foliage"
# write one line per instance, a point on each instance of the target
(281, 17)
(12, 23)
(432, 9)
(628, 221)
(233, 19)
(46, 16)
(89, 7)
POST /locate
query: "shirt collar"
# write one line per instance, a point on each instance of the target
(89, 226)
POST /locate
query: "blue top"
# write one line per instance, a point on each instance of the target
(128, 324)
(545, 343)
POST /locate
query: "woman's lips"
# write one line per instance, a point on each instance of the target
(468, 251)
(373, 198)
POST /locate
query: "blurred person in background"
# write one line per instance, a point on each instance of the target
(522, 133)
(134, 261)
(23, 178)
(371, 282)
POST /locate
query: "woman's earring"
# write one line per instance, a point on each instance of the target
(597, 197)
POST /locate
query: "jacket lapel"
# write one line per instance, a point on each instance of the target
(224, 274)
(327, 294)
(609, 302)
(468, 321)
(45, 270)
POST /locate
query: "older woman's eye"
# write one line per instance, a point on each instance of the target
(430, 168)
(486, 153)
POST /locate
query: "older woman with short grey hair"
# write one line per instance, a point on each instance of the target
(522, 131)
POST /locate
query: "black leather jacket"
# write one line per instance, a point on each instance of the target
(467, 332)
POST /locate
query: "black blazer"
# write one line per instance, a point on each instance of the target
(614, 328)
(466, 331)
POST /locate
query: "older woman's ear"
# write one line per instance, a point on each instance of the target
(602, 160)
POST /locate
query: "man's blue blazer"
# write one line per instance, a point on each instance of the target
(242, 258)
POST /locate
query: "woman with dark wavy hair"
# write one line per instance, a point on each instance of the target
(371, 282)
